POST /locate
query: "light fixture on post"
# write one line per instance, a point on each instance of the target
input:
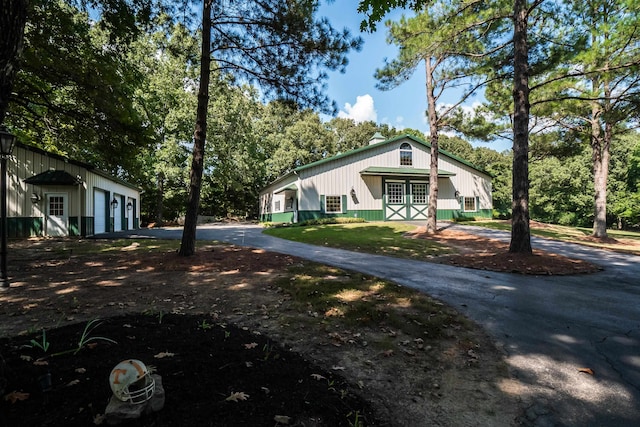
(457, 194)
(129, 205)
(7, 141)
(114, 206)
(35, 198)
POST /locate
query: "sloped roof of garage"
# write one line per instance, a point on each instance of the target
(86, 166)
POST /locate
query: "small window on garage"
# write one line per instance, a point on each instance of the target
(333, 204)
(470, 204)
(419, 193)
(56, 206)
(406, 156)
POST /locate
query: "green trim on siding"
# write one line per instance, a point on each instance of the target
(446, 214)
(73, 226)
(278, 217)
(87, 226)
(369, 215)
(22, 227)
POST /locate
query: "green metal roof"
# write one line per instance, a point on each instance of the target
(389, 141)
(386, 171)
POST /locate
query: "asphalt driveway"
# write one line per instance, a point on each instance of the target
(550, 327)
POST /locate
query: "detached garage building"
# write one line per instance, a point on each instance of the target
(51, 195)
(388, 180)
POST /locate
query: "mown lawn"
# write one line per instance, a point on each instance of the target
(375, 238)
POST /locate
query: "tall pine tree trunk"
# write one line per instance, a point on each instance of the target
(600, 144)
(13, 17)
(432, 223)
(600, 159)
(188, 244)
(520, 231)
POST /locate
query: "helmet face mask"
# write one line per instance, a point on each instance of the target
(131, 381)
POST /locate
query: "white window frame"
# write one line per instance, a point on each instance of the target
(392, 198)
(406, 152)
(276, 206)
(464, 204)
(333, 204)
(426, 193)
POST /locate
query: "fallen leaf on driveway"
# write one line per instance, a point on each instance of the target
(251, 345)
(163, 354)
(282, 419)
(317, 377)
(586, 371)
(14, 396)
(238, 395)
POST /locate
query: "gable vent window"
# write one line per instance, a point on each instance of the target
(406, 156)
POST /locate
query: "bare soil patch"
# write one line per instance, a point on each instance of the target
(489, 254)
(208, 311)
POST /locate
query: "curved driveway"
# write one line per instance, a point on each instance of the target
(549, 327)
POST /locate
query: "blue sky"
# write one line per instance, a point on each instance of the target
(355, 91)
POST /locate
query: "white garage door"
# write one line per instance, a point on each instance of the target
(99, 212)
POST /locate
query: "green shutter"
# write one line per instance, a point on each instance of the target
(477, 204)
(123, 213)
(322, 203)
(461, 201)
(344, 203)
(107, 223)
(135, 212)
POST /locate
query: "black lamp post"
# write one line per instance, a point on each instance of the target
(7, 141)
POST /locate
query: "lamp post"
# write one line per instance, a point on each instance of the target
(7, 141)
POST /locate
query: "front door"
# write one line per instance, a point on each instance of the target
(395, 201)
(57, 215)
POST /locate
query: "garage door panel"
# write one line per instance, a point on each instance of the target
(99, 211)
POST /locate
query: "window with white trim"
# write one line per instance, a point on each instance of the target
(56, 206)
(395, 193)
(276, 207)
(470, 204)
(406, 156)
(333, 204)
(419, 193)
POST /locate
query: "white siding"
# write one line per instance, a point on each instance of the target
(339, 176)
(27, 163)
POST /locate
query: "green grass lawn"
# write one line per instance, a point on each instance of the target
(383, 238)
(387, 238)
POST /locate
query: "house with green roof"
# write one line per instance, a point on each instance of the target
(387, 180)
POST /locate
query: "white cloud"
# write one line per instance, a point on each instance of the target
(468, 109)
(362, 111)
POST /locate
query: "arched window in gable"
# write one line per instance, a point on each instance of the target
(406, 156)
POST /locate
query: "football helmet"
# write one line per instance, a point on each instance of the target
(131, 381)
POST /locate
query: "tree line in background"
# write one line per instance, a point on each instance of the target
(125, 101)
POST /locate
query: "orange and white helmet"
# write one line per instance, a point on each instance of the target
(131, 381)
